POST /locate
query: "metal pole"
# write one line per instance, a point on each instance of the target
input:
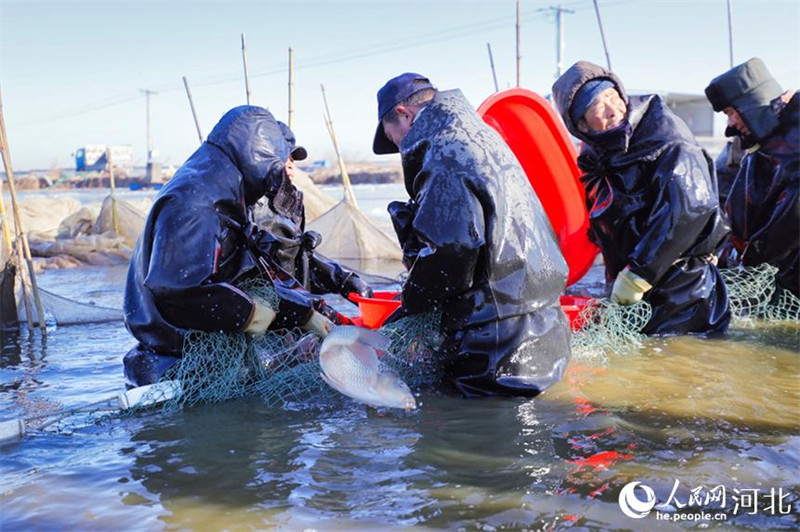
(349, 196)
(191, 104)
(491, 62)
(291, 88)
(246, 77)
(603, 33)
(18, 218)
(730, 31)
(114, 218)
(519, 57)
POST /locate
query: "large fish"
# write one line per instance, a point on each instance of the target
(349, 362)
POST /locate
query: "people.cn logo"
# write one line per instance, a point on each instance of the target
(630, 504)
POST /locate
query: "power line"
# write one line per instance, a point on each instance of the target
(323, 60)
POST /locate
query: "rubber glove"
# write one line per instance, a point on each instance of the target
(629, 288)
(262, 318)
(318, 324)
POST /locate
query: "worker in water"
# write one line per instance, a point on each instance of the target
(476, 242)
(652, 201)
(763, 203)
(198, 247)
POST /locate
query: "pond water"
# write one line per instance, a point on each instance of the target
(688, 418)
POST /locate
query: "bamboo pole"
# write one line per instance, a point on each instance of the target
(602, 34)
(18, 218)
(191, 104)
(246, 77)
(730, 34)
(4, 222)
(349, 196)
(291, 88)
(114, 218)
(519, 57)
(491, 62)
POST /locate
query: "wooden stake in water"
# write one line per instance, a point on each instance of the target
(18, 218)
(349, 196)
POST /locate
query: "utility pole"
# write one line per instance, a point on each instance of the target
(149, 169)
(291, 88)
(559, 11)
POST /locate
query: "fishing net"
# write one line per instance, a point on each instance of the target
(348, 233)
(605, 327)
(749, 290)
(282, 367)
(784, 307)
(754, 295)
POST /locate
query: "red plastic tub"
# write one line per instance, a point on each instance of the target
(375, 309)
(534, 132)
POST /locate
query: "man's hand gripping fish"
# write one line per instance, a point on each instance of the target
(349, 362)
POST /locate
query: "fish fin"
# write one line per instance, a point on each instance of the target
(374, 339)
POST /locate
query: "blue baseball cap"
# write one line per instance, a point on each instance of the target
(395, 92)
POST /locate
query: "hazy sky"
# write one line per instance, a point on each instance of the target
(71, 72)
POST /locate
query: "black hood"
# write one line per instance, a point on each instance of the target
(565, 88)
(251, 137)
(749, 89)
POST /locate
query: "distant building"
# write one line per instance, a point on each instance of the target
(93, 157)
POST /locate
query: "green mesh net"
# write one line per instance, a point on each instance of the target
(754, 295)
(282, 367)
(606, 327)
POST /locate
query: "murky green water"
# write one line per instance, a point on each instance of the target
(696, 412)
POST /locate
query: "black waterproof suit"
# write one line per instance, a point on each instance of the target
(194, 245)
(283, 239)
(764, 201)
(654, 208)
(479, 247)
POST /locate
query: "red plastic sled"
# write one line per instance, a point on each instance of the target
(533, 131)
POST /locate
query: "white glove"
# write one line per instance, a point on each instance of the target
(629, 288)
(262, 318)
(318, 324)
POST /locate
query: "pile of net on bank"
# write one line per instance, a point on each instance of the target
(282, 366)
